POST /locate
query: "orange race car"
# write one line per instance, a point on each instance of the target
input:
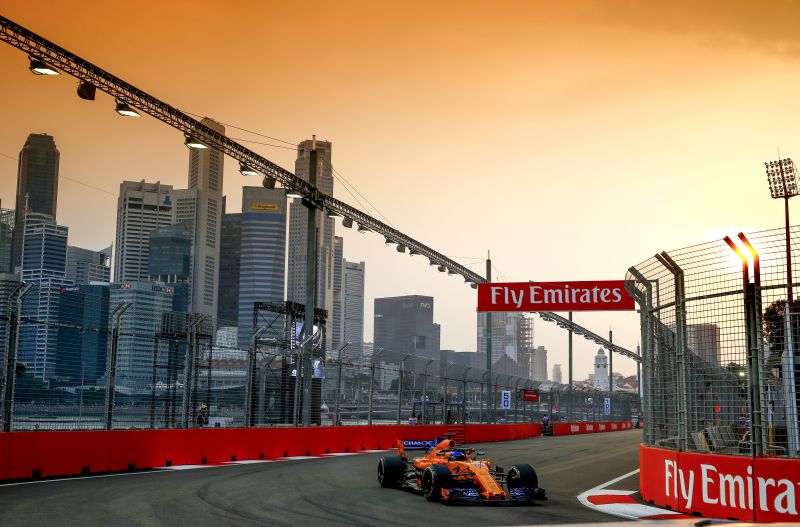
(451, 473)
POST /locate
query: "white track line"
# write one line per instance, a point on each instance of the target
(625, 507)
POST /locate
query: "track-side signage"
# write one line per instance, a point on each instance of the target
(605, 295)
(531, 396)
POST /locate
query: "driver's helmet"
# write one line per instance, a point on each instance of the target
(457, 455)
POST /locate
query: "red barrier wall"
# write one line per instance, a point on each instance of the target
(24, 455)
(565, 429)
(720, 486)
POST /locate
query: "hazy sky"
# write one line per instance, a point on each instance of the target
(572, 139)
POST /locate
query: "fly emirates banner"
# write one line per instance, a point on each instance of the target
(606, 295)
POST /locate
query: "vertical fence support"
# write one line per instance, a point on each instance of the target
(372, 385)
(251, 376)
(645, 301)
(680, 348)
(189, 369)
(464, 396)
(10, 376)
(111, 378)
(400, 375)
(337, 418)
(424, 398)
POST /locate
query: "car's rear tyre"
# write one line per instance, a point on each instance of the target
(521, 475)
(391, 471)
(434, 479)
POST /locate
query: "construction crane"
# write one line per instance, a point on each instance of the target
(44, 54)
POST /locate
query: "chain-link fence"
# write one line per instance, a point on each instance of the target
(718, 370)
(105, 357)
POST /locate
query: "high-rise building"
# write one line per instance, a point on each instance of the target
(404, 325)
(263, 253)
(85, 266)
(336, 318)
(353, 307)
(8, 284)
(230, 260)
(512, 336)
(539, 364)
(704, 341)
(558, 378)
(37, 187)
(44, 263)
(138, 327)
(169, 261)
(201, 206)
(298, 219)
(83, 334)
(600, 378)
(6, 238)
(141, 207)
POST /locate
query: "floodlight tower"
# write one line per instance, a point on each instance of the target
(782, 177)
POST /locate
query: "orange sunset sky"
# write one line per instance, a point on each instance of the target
(572, 139)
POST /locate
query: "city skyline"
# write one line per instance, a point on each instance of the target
(549, 107)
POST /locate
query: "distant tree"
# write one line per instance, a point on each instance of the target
(773, 327)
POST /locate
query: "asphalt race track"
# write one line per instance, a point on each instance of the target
(322, 492)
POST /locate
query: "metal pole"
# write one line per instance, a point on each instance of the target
(112, 364)
(488, 331)
(400, 385)
(10, 325)
(444, 394)
(251, 377)
(425, 391)
(188, 369)
(464, 396)
(11, 362)
(569, 367)
(516, 400)
(311, 282)
(372, 386)
(610, 361)
(336, 416)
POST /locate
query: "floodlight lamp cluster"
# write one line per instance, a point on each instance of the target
(40, 67)
(783, 178)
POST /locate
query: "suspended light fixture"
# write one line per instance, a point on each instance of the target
(347, 222)
(194, 144)
(362, 229)
(291, 194)
(86, 91)
(246, 170)
(412, 252)
(400, 248)
(473, 286)
(268, 182)
(125, 110)
(442, 269)
(432, 263)
(451, 272)
(332, 213)
(39, 67)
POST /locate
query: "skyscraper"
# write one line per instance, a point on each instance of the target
(85, 266)
(141, 207)
(44, 262)
(298, 219)
(336, 318)
(404, 325)
(81, 358)
(138, 327)
(230, 259)
(558, 378)
(6, 240)
(353, 307)
(169, 261)
(201, 206)
(37, 187)
(263, 253)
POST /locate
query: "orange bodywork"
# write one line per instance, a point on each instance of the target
(469, 469)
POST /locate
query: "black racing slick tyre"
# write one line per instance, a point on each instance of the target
(521, 475)
(434, 479)
(391, 471)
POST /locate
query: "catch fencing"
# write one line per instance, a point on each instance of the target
(138, 365)
(718, 364)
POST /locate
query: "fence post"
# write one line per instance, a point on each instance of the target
(372, 385)
(10, 377)
(425, 391)
(189, 369)
(400, 373)
(680, 348)
(112, 362)
(251, 376)
(646, 357)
